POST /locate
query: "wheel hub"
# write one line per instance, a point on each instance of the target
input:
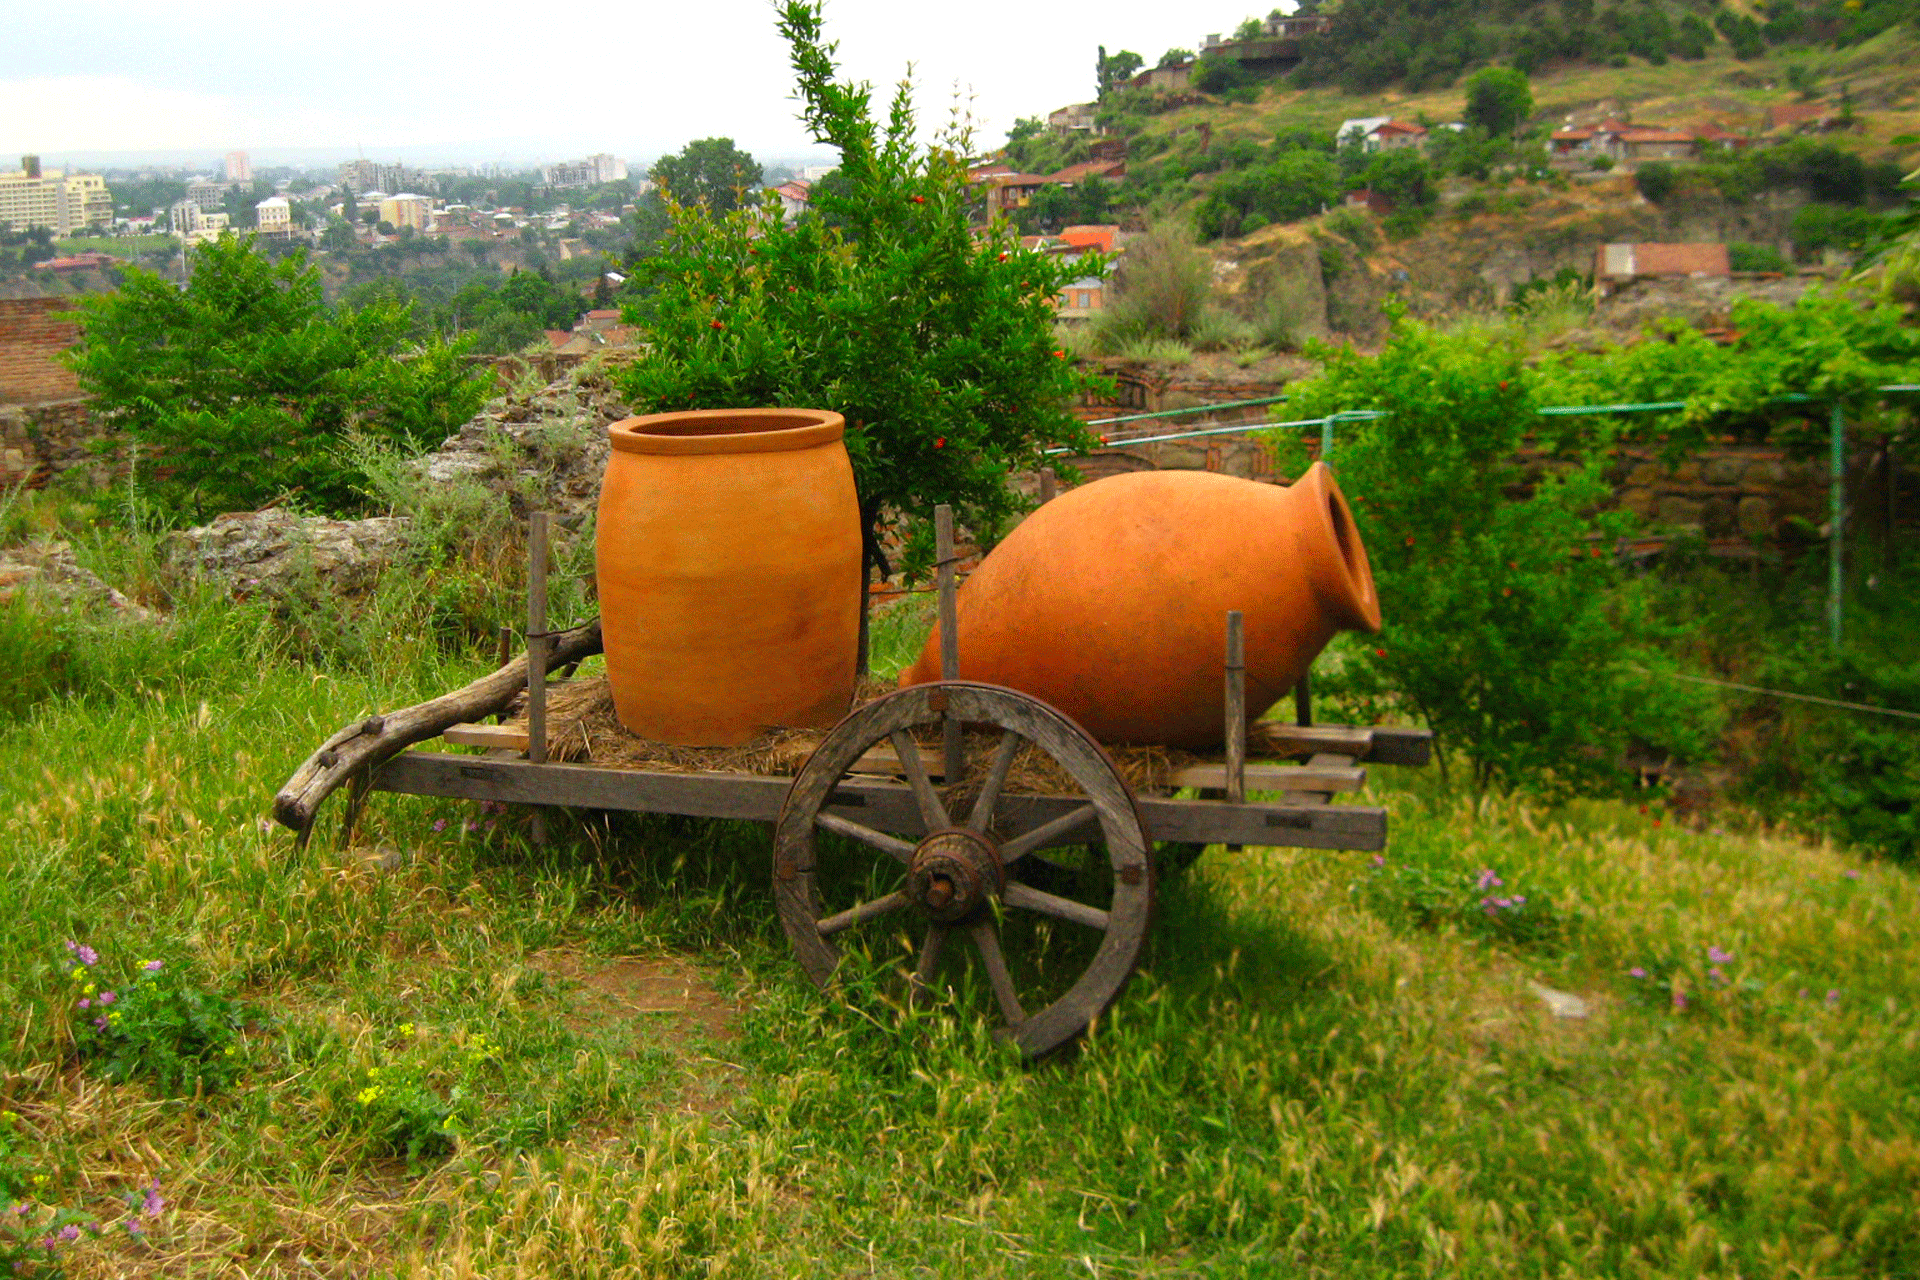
(953, 875)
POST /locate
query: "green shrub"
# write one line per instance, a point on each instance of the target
(1755, 257)
(1494, 585)
(241, 387)
(157, 1026)
(1354, 227)
(1656, 180)
(1601, 164)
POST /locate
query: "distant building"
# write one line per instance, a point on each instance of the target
(80, 262)
(590, 172)
(183, 217)
(1800, 117)
(407, 210)
(815, 172)
(1174, 78)
(1081, 298)
(1615, 264)
(62, 201)
(1075, 117)
(1380, 133)
(239, 167)
(1354, 132)
(371, 175)
(796, 197)
(273, 218)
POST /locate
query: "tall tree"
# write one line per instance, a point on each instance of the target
(934, 342)
(1499, 100)
(1118, 69)
(711, 171)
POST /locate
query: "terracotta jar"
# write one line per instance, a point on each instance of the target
(1110, 602)
(729, 573)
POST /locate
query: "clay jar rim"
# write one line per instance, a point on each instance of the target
(1349, 570)
(727, 431)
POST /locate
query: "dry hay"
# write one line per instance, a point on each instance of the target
(583, 729)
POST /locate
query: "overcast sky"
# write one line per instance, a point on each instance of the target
(488, 80)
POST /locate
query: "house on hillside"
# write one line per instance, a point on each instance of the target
(1353, 133)
(1654, 143)
(1010, 191)
(1366, 198)
(1097, 237)
(1074, 174)
(1380, 133)
(1176, 78)
(1800, 117)
(1617, 264)
(1075, 117)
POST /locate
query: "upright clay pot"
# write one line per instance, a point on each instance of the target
(729, 573)
(1110, 602)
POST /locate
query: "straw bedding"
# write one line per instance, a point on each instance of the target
(582, 729)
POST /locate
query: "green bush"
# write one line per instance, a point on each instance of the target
(1494, 583)
(1756, 257)
(1656, 180)
(239, 389)
(157, 1026)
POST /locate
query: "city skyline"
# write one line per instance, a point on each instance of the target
(122, 79)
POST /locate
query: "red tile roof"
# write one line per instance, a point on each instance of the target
(1088, 169)
(1656, 135)
(1400, 126)
(1093, 236)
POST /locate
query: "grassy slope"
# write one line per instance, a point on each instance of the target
(1303, 1080)
(1883, 76)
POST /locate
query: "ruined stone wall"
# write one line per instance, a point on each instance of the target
(33, 332)
(39, 442)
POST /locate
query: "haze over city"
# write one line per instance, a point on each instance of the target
(123, 83)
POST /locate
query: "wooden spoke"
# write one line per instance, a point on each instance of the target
(880, 840)
(1052, 904)
(930, 950)
(932, 811)
(986, 940)
(1054, 943)
(982, 816)
(856, 915)
(1047, 833)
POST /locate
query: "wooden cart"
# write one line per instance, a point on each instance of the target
(1035, 901)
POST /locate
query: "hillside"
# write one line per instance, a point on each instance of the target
(1252, 172)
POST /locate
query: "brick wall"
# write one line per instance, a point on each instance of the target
(33, 331)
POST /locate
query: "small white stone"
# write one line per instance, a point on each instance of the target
(1560, 1003)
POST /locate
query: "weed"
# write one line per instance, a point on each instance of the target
(157, 1027)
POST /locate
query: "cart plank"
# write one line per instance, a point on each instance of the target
(1276, 777)
(1377, 743)
(885, 806)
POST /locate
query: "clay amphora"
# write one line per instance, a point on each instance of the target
(1110, 602)
(729, 573)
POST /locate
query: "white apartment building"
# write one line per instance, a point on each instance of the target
(273, 218)
(65, 202)
(406, 210)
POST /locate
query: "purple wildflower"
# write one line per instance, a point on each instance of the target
(1718, 975)
(86, 1004)
(83, 953)
(100, 1023)
(440, 824)
(1377, 861)
(1489, 879)
(1636, 972)
(153, 1204)
(1716, 956)
(1833, 997)
(134, 1228)
(1851, 874)
(151, 966)
(107, 997)
(1680, 1001)
(1520, 900)
(69, 1232)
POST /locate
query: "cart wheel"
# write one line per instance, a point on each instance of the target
(1053, 936)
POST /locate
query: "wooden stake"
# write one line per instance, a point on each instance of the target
(1236, 709)
(537, 653)
(1303, 700)
(1049, 485)
(949, 635)
(503, 653)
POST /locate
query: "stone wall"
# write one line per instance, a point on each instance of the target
(41, 441)
(33, 332)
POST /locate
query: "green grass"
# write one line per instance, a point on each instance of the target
(118, 246)
(1324, 1068)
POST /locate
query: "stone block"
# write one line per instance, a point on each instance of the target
(1645, 473)
(1755, 516)
(1764, 473)
(1687, 472)
(1639, 501)
(1677, 512)
(1718, 517)
(1723, 469)
(1180, 455)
